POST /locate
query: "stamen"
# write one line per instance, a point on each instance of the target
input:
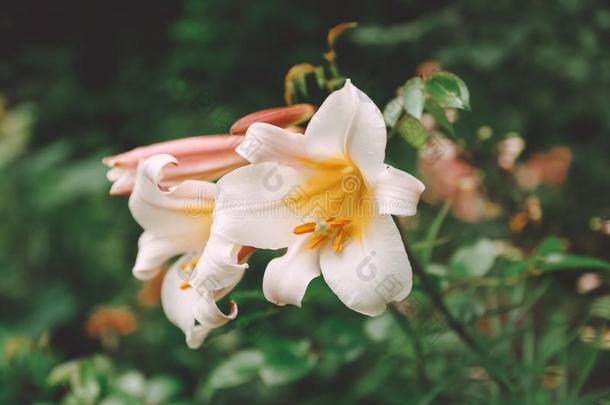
(315, 240)
(185, 285)
(339, 240)
(339, 223)
(304, 228)
(190, 265)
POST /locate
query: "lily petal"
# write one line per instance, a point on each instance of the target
(175, 220)
(371, 272)
(122, 180)
(397, 192)
(252, 207)
(154, 251)
(178, 306)
(267, 143)
(219, 267)
(207, 313)
(201, 157)
(349, 123)
(287, 277)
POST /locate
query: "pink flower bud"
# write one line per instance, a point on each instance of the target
(281, 117)
(201, 157)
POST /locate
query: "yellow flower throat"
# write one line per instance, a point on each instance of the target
(335, 202)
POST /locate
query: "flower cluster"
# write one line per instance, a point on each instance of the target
(325, 195)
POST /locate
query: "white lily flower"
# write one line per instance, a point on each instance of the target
(177, 221)
(328, 197)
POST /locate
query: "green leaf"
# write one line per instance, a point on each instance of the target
(63, 373)
(238, 369)
(439, 115)
(515, 269)
(412, 131)
(132, 383)
(601, 307)
(550, 245)
(287, 361)
(392, 111)
(474, 260)
(559, 261)
(160, 389)
(413, 98)
(448, 90)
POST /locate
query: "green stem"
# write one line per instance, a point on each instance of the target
(405, 325)
(488, 363)
(433, 232)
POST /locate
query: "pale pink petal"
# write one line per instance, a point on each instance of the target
(201, 157)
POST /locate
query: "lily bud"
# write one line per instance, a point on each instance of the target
(280, 116)
(428, 67)
(201, 157)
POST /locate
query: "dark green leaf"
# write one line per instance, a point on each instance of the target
(448, 90)
(439, 115)
(550, 245)
(412, 131)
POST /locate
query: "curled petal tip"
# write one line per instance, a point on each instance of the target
(153, 166)
(233, 310)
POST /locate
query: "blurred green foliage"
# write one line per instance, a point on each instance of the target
(85, 80)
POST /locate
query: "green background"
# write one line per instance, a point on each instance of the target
(98, 78)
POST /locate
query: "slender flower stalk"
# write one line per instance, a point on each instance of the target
(436, 298)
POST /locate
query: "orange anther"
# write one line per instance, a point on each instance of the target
(304, 228)
(185, 285)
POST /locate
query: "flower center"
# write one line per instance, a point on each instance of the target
(330, 228)
(336, 198)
